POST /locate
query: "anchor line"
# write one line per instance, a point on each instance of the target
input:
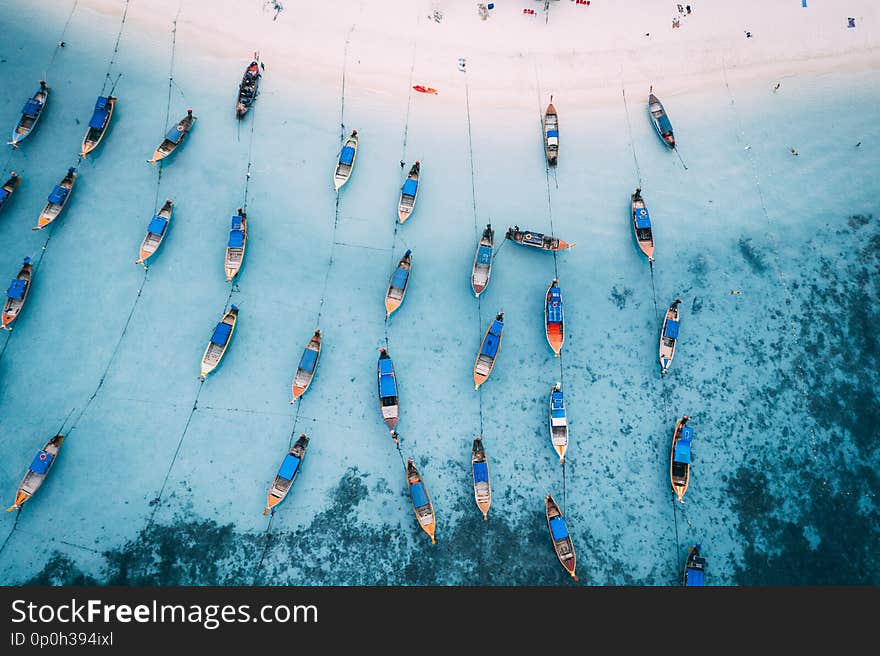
(60, 41)
(115, 49)
(632, 142)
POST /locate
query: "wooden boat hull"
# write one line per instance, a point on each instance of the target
(389, 403)
(53, 210)
(667, 344)
(306, 370)
(234, 258)
(287, 474)
(406, 205)
(13, 306)
(679, 483)
(152, 241)
(557, 420)
(28, 123)
(9, 188)
(480, 474)
(33, 479)
(551, 135)
(488, 353)
(396, 291)
(695, 564)
(660, 119)
(167, 146)
(482, 268)
(421, 501)
(94, 137)
(537, 240)
(343, 170)
(554, 326)
(250, 81)
(214, 353)
(562, 545)
(640, 218)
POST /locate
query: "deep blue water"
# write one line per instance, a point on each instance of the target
(163, 480)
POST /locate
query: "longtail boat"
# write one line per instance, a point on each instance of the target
(660, 120)
(536, 240)
(16, 295)
(399, 283)
(669, 336)
(37, 471)
(347, 158)
(287, 473)
(387, 385)
(249, 88)
(680, 458)
(554, 325)
(174, 137)
(559, 536)
(235, 246)
(9, 188)
(694, 574)
(30, 115)
(551, 133)
(98, 124)
(421, 502)
(482, 268)
(409, 193)
(641, 222)
(480, 467)
(57, 200)
(558, 422)
(308, 364)
(488, 351)
(219, 342)
(155, 232)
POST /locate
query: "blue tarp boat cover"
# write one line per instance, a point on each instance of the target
(157, 225)
(419, 497)
(174, 134)
(490, 346)
(496, 328)
(484, 255)
(3, 194)
(554, 306)
(386, 366)
(683, 448)
(553, 133)
(16, 289)
(643, 220)
(221, 334)
(409, 188)
(288, 467)
(347, 155)
(399, 278)
(236, 222)
(387, 386)
(558, 528)
(99, 118)
(556, 400)
(58, 194)
(41, 462)
(481, 472)
(671, 330)
(32, 107)
(101, 102)
(695, 577)
(236, 239)
(665, 125)
(308, 360)
(557, 414)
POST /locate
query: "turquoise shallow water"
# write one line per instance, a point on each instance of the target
(163, 481)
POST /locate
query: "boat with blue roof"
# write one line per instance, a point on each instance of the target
(554, 326)
(57, 200)
(485, 362)
(660, 120)
(37, 471)
(694, 574)
(235, 245)
(98, 124)
(30, 115)
(9, 188)
(669, 336)
(551, 134)
(482, 268)
(16, 294)
(641, 222)
(537, 240)
(387, 386)
(308, 364)
(680, 458)
(559, 536)
(249, 88)
(409, 193)
(219, 342)
(155, 233)
(345, 163)
(421, 501)
(558, 421)
(480, 469)
(174, 137)
(398, 284)
(287, 473)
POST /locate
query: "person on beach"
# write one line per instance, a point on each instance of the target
(776, 88)
(748, 35)
(688, 10)
(794, 151)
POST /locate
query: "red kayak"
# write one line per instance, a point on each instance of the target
(420, 88)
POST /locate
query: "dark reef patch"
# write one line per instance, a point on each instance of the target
(620, 296)
(753, 257)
